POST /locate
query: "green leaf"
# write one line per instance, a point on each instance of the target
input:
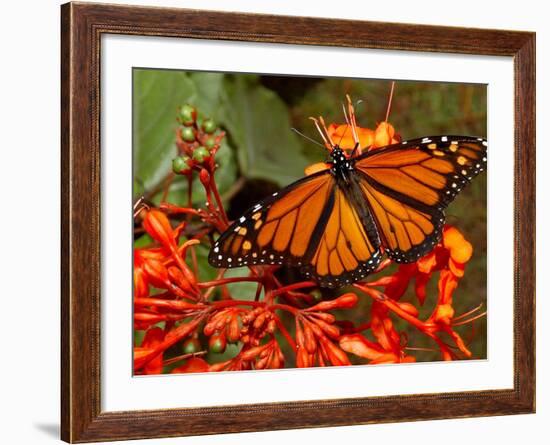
(143, 241)
(245, 290)
(158, 94)
(206, 271)
(259, 125)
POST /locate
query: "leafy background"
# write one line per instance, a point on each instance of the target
(262, 154)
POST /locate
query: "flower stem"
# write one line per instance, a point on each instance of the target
(224, 281)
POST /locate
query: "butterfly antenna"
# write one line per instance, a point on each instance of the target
(352, 122)
(326, 137)
(140, 205)
(326, 131)
(307, 137)
(390, 100)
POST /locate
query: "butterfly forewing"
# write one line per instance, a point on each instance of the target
(277, 230)
(408, 186)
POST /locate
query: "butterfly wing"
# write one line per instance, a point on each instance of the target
(408, 186)
(348, 247)
(279, 229)
(310, 224)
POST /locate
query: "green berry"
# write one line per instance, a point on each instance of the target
(317, 296)
(200, 154)
(217, 343)
(179, 164)
(187, 134)
(209, 126)
(191, 346)
(187, 114)
(210, 143)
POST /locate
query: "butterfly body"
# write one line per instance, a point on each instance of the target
(336, 224)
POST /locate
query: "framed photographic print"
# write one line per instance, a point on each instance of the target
(279, 222)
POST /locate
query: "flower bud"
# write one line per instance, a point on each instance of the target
(252, 353)
(188, 115)
(302, 358)
(326, 317)
(260, 320)
(180, 165)
(200, 154)
(217, 343)
(336, 356)
(209, 126)
(210, 143)
(188, 134)
(141, 289)
(309, 339)
(460, 249)
(329, 329)
(345, 301)
(233, 331)
(204, 177)
(384, 135)
(191, 345)
(408, 308)
(300, 339)
(153, 337)
(179, 279)
(262, 363)
(358, 345)
(444, 314)
(157, 225)
(157, 274)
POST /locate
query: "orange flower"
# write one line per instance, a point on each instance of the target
(444, 314)
(157, 225)
(460, 250)
(153, 338)
(343, 136)
(383, 135)
(358, 345)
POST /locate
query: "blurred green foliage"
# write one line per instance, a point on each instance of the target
(258, 112)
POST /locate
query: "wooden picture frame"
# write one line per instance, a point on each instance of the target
(82, 26)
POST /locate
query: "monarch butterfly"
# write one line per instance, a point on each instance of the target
(336, 223)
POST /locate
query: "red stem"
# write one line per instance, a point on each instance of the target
(292, 287)
(286, 334)
(224, 281)
(218, 198)
(394, 307)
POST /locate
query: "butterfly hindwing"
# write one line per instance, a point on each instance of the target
(408, 185)
(348, 248)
